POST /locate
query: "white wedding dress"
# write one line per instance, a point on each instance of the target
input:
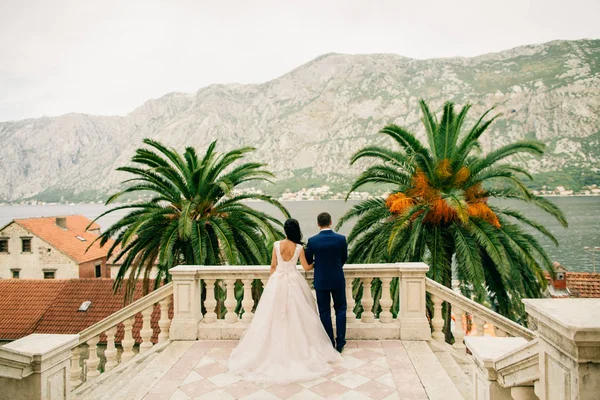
(285, 341)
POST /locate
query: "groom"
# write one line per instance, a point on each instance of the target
(329, 251)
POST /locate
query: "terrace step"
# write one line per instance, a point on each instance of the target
(459, 367)
(113, 384)
(135, 379)
(457, 374)
(434, 378)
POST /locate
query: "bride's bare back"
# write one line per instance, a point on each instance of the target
(287, 251)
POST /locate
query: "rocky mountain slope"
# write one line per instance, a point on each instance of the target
(307, 123)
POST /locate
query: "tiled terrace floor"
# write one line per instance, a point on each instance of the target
(369, 370)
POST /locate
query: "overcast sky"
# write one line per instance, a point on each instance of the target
(109, 56)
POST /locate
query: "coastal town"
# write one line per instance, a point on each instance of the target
(325, 192)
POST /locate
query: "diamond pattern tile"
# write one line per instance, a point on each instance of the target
(198, 388)
(329, 389)
(369, 370)
(241, 389)
(350, 379)
(210, 370)
(285, 391)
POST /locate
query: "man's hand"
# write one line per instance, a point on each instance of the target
(310, 255)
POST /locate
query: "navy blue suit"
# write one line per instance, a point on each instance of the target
(329, 251)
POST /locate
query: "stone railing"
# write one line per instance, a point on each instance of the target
(479, 316)
(190, 323)
(41, 366)
(561, 359)
(561, 362)
(119, 328)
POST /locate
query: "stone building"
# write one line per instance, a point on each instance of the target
(567, 284)
(52, 248)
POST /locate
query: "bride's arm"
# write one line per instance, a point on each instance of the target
(273, 262)
(305, 264)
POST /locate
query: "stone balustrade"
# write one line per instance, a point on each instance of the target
(560, 359)
(376, 319)
(463, 307)
(561, 362)
(120, 325)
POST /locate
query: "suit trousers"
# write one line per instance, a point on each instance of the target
(324, 297)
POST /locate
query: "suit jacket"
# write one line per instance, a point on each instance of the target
(329, 251)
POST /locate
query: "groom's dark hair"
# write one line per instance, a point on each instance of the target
(324, 219)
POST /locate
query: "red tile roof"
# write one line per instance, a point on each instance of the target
(51, 306)
(23, 303)
(579, 284)
(65, 240)
(583, 284)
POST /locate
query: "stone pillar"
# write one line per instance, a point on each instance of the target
(187, 313)
(485, 351)
(413, 310)
(37, 367)
(569, 361)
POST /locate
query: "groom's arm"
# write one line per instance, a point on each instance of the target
(310, 255)
(345, 252)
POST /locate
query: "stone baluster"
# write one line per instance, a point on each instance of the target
(458, 332)
(438, 320)
(210, 302)
(350, 315)
(75, 373)
(386, 301)
(230, 303)
(93, 360)
(111, 351)
(480, 324)
(247, 301)
(146, 331)
(128, 340)
(367, 301)
(164, 323)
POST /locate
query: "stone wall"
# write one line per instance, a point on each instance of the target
(88, 269)
(32, 265)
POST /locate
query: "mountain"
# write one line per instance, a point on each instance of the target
(306, 123)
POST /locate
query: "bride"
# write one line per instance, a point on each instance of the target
(286, 341)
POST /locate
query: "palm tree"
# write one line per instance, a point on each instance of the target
(194, 215)
(439, 210)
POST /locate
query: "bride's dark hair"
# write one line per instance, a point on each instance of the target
(292, 231)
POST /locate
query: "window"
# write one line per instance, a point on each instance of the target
(48, 274)
(26, 245)
(82, 239)
(85, 305)
(99, 271)
(3, 245)
(16, 274)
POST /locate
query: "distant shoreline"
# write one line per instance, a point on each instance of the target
(41, 203)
